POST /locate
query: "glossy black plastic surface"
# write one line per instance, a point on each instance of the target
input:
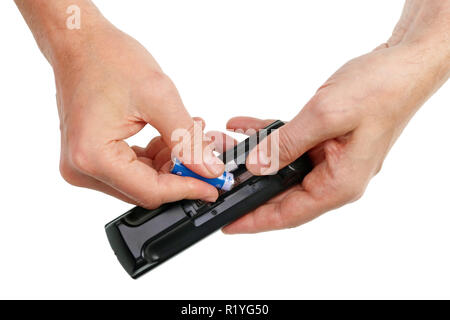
(143, 239)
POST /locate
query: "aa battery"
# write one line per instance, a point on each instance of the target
(224, 182)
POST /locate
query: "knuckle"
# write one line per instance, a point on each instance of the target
(81, 158)
(378, 168)
(67, 173)
(188, 190)
(158, 86)
(150, 203)
(328, 112)
(323, 110)
(353, 192)
(191, 188)
(291, 224)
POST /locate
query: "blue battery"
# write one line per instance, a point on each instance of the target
(224, 182)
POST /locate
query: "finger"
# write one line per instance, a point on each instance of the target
(264, 218)
(81, 180)
(201, 120)
(316, 123)
(317, 154)
(280, 197)
(157, 144)
(119, 167)
(295, 208)
(381, 47)
(147, 161)
(140, 152)
(161, 158)
(273, 216)
(174, 188)
(184, 136)
(100, 186)
(155, 154)
(222, 142)
(165, 168)
(247, 123)
(196, 151)
(154, 147)
(340, 179)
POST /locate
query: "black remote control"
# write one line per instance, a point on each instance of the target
(142, 239)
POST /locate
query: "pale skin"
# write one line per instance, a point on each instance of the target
(353, 120)
(109, 87)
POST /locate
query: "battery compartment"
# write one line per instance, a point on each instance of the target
(195, 208)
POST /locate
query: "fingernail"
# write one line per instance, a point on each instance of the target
(211, 198)
(214, 165)
(225, 231)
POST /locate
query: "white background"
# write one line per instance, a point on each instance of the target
(259, 58)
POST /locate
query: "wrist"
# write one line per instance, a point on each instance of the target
(70, 44)
(424, 28)
(432, 55)
(73, 46)
(62, 27)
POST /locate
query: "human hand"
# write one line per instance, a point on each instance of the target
(347, 128)
(108, 89)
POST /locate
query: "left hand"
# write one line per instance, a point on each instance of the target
(348, 128)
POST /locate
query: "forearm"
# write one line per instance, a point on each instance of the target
(47, 20)
(425, 26)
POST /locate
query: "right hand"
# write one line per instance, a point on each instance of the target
(108, 88)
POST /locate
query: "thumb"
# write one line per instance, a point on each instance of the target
(317, 122)
(185, 137)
